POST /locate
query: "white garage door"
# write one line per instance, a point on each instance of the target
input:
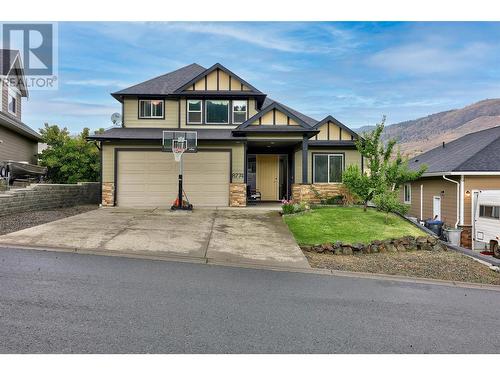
(149, 178)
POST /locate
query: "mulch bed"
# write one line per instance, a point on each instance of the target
(442, 265)
(23, 220)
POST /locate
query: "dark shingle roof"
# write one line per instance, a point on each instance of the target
(18, 127)
(153, 134)
(165, 84)
(475, 152)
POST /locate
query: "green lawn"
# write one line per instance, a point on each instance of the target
(347, 224)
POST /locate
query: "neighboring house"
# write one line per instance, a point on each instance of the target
(18, 141)
(454, 171)
(247, 142)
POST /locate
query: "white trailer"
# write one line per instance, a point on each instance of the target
(486, 220)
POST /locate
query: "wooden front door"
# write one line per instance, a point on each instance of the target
(267, 175)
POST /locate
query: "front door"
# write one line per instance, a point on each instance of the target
(436, 208)
(267, 171)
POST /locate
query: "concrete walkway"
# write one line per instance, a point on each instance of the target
(244, 236)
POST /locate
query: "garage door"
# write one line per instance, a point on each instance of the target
(149, 178)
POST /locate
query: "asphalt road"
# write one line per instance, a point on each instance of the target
(71, 303)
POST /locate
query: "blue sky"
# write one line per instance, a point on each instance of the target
(355, 71)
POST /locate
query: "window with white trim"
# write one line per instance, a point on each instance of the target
(194, 110)
(151, 108)
(328, 168)
(12, 102)
(407, 193)
(217, 111)
(239, 111)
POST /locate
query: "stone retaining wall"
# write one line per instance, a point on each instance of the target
(48, 196)
(393, 245)
(313, 193)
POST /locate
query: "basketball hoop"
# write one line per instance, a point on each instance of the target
(179, 142)
(179, 146)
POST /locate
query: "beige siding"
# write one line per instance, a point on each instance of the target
(252, 110)
(332, 132)
(225, 82)
(237, 157)
(211, 81)
(352, 157)
(432, 187)
(323, 133)
(477, 183)
(16, 147)
(345, 135)
(275, 117)
(132, 120)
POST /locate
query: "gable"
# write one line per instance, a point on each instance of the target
(218, 78)
(330, 131)
(274, 117)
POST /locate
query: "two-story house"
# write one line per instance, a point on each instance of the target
(247, 142)
(18, 142)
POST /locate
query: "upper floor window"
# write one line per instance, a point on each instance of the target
(151, 108)
(194, 111)
(328, 168)
(217, 111)
(407, 193)
(12, 103)
(239, 111)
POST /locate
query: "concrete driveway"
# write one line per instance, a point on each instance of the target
(237, 236)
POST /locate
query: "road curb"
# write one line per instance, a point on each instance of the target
(250, 265)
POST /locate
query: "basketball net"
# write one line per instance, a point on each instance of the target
(178, 148)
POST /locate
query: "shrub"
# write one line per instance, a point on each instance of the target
(336, 199)
(288, 207)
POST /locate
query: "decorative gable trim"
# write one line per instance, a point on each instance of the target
(341, 126)
(217, 67)
(273, 107)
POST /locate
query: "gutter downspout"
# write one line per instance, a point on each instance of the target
(421, 201)
(462, 200)
(458, 198)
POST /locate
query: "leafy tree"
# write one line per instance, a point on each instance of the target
(69, 159)
(385, 173)
(388, 201)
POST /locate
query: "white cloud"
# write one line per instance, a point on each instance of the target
(425, 58)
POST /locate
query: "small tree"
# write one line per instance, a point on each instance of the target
(388, 201)
(69, 159)
(385, 174)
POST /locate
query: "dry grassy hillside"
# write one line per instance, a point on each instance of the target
(423, 134)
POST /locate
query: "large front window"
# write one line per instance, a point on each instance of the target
(151, 108)
(328, 168)
(194, 111)
(239, 111)
(217, 111)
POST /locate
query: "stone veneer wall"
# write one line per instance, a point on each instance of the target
(108, 194)
(306, 192)
(237, 194)
(48, 196)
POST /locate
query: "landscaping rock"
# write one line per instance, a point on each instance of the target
(400, 247)
(432, 240)
(328, 247)
(421, 240)
(347, 250)
(390, 247)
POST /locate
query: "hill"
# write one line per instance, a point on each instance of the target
(423, 134)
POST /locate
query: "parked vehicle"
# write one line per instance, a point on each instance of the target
(486, 223)
(14, 170)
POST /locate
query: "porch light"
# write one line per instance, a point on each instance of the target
(467, 193)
